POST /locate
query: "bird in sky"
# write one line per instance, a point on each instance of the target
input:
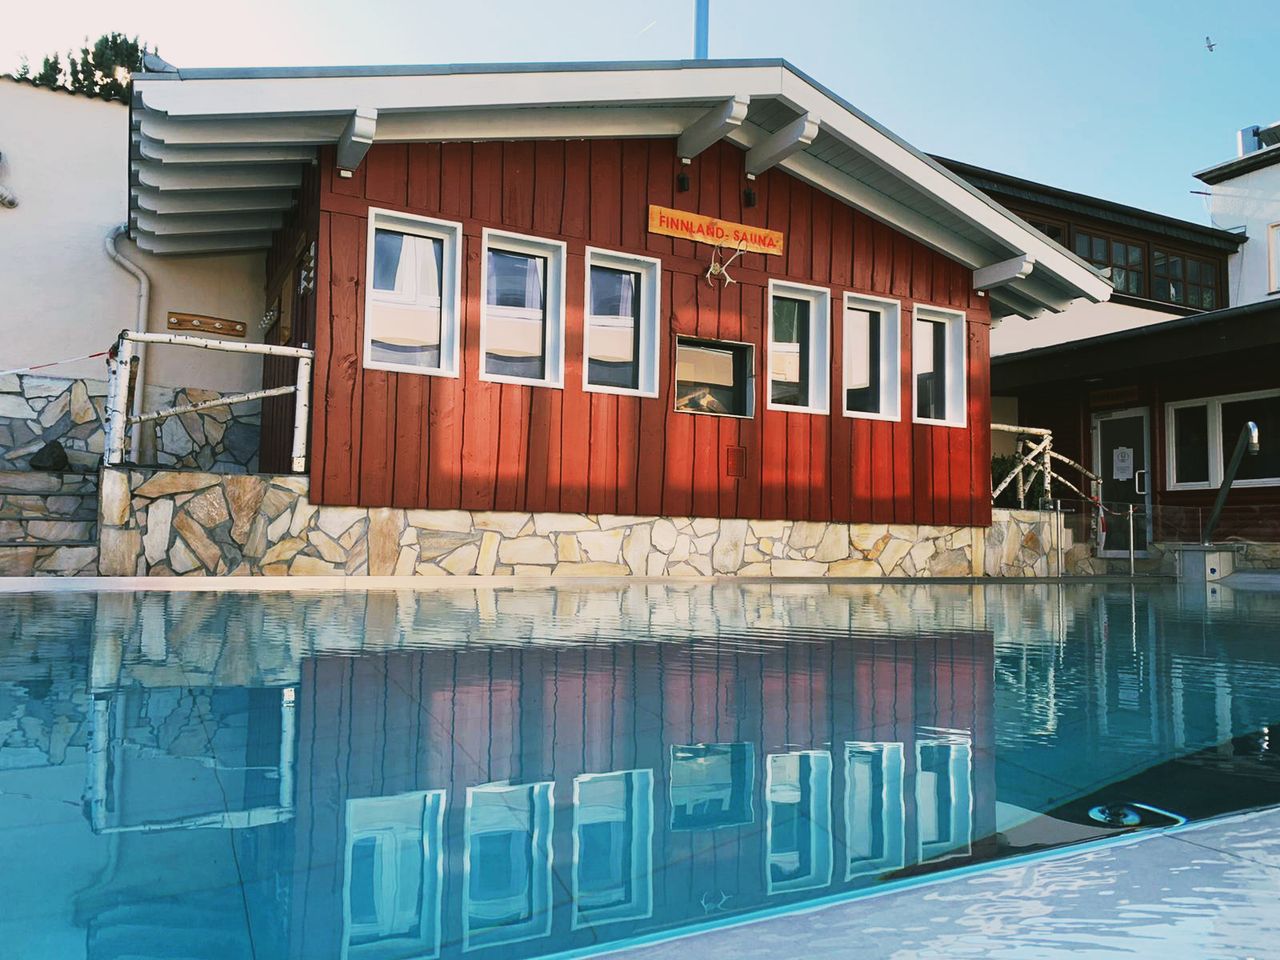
(1209, 44)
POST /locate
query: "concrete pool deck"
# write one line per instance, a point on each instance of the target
(1203, 890)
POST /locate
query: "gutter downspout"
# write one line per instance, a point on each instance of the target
(139, 325)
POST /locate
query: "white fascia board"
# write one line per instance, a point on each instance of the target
(314, 96)
(536, 123)
(215, 178)
(210, 201)
(210, 243)
(195, 223)
(148, 149)
(917, 171)
(254, 131)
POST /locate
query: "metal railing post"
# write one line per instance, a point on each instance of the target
(301, 412)
(1131, 564)
(120, 367)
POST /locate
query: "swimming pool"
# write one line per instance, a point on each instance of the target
(548, 771)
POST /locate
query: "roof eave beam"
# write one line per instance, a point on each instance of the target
(1003, 273)
(712, 127)
(792, 138)
(1015, 303)
(356, 139)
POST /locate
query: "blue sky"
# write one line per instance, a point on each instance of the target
(1119, 98)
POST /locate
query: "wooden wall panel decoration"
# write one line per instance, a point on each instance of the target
(382, 438)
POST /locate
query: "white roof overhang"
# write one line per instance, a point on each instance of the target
(217, 155)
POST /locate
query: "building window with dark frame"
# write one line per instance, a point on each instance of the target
(715, 377)
(1202, 434)
(1178, 278)
(1123, 259)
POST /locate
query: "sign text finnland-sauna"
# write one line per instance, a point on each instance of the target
(704, 229)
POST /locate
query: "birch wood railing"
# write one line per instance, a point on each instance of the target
(120, 362)
(1035, 460)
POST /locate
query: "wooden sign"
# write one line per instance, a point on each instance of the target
(713, 230)
(200, 324)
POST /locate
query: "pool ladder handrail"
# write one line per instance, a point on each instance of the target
(1248, 440)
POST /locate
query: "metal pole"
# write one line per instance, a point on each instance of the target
(1131, 567)
(1058, 532)
(301, 411)
(701, 28)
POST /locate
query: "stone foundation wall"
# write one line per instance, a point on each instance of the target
(35, 410)
(165, 523)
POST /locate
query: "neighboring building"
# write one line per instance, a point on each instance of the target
(1244, 196)
(1151, 389)
(511, 311)
(1161, 267)
(61, 160)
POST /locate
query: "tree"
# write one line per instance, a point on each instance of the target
(104, 70)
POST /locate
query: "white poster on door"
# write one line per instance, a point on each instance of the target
(1122, 463)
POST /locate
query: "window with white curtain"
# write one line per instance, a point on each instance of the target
(869, 337)
(411, 294)
(522, 318)
(621, 334)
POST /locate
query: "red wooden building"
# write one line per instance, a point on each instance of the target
(709, 289)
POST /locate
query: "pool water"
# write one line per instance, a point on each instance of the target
(540, 772)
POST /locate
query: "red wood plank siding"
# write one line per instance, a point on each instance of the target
(397, 439)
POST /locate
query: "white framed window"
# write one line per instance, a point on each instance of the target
(522, 313)
(870, 363)
(393, 879)
(1273, 258)
(874, 808)
(716, 377)
(506, 875)
(939, 371)
(799, 348)
(944, 795)
(620, 341)
(612, 847)
(799, 852)
(412, 294)
(1201, 434)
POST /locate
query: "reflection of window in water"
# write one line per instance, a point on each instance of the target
(944, 795)
(798, 797)
(874, 812)
(711, 785)
(394, 874)
(507, 880)
(191, 757)
(612, 847)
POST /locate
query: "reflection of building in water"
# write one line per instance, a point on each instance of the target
(558, 786)
(594, 793)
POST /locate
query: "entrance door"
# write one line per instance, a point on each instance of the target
(1121, 453)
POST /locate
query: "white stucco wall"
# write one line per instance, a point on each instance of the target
(66, 158)
(1251, 201)
(1077, 322)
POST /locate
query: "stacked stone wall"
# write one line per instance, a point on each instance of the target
(35, 410)
(180, 523)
